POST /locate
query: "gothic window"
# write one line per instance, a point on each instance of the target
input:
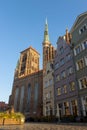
(16, 98)
(21, 98)
(36, 90)
(28, 97)
(24, 58)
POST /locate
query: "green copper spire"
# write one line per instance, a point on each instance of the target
(46, 35)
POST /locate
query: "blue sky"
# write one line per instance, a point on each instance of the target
(22, 24)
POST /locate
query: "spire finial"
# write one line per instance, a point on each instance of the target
(46, 20)
(46, 35)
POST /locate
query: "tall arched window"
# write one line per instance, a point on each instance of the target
(21, 99)
(16, 98)
(36, 96)
(28, 97)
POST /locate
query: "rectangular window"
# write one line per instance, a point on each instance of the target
(72, 86)
(83, 83)
(84, 45)
(70, 70)
(57, 78)
(80, 64)
(46, 84)
(66, 106)
(59, 91)
(50, 81)
(77, 50)
(83, 28)
(74, 107)
(68, 57)
(64, 89)
(56, 66)
(61, 50)
(63, 74)
(62, 61)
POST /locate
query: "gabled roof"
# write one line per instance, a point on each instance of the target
(78, 20)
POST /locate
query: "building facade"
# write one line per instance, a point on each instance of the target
(66, 91)
(48, 91)
(3, 106)
(48, 80)
(79, 41)
(27, 91)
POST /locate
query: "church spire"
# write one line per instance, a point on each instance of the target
(46, 35)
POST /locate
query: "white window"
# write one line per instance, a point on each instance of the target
(84, 105)
(80, 64)
(77, 50)
(83, 28)
(84, 45)
(81, 31)
(83, 83)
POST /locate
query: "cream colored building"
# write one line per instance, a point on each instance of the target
(48, 90)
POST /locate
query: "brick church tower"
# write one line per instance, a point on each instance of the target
(27, 89)
(48, 49)
(28, 63)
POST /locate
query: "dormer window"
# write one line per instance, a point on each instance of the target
(83, 28)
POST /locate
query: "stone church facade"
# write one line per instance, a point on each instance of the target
(27, 88)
